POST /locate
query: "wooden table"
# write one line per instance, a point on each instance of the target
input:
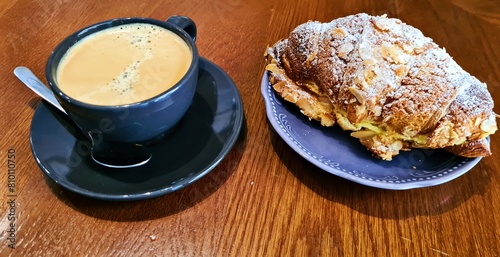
(263, 199)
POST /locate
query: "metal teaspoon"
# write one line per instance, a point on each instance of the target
(113, 155)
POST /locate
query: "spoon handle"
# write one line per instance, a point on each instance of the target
(29, 79)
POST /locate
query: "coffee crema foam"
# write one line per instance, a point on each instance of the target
(123, 65)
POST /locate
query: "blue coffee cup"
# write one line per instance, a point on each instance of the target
(139, 122)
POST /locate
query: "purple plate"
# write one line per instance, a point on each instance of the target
(336, 152)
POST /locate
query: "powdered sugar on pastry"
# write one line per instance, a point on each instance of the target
(383, 79)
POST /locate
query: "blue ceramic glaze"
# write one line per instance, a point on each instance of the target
(336, 152)
(201, 140)
(137, 122)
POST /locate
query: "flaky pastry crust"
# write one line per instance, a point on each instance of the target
(382, 79)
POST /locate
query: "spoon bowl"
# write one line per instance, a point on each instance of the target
(109, 154)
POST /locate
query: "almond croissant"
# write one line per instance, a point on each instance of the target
(384, 80)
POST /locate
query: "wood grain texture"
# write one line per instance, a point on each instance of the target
(263, 199)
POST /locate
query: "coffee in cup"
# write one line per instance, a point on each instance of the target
(136, 86)
(123, 64)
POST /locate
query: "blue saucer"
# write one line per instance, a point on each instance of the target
(201, 140)
(336, 152)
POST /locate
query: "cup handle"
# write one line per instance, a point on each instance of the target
(184, 23)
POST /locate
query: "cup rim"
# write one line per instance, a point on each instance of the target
(62, 48)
